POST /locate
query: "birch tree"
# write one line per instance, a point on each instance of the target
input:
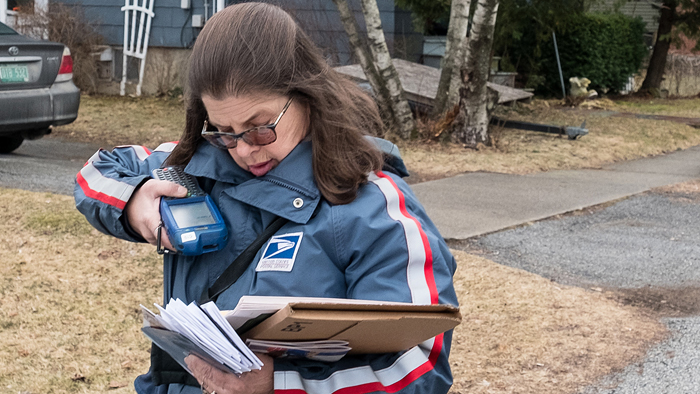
(363, 55)
(402, 115)
(450, 81)
(471, 124)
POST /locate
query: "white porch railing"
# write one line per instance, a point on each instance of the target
(3, 11)
(136, 42)
(220, 4)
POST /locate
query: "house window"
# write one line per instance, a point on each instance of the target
(24, 5)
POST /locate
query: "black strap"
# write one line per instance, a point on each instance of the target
(239, 265)
(164, 369)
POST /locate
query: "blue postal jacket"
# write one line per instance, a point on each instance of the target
(381, 246)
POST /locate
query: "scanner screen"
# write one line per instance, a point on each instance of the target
(191, 215)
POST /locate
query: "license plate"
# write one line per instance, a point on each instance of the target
(14, 73)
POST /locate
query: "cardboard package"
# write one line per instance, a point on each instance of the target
(385, 328)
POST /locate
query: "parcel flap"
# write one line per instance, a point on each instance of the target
(389, 334)
(290, 325)
(366, 331)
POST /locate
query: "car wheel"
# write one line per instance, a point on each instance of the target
(10, 143)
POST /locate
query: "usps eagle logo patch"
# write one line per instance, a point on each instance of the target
(280, 253)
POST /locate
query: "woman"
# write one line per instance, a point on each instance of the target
(272, 130)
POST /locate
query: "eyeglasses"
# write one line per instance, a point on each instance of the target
(261, 135)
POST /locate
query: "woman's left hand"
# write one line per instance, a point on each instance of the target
(215, 380)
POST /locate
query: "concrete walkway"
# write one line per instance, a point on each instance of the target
(479, 203)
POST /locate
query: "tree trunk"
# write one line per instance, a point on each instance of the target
(448, 91)
(361, 51)
(403, 117)
(472, 121)
(657, 62)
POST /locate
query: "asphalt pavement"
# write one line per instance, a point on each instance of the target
(603, 229)
(45, 165)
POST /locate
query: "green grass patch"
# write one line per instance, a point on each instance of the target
(672, 107)
(61, 222)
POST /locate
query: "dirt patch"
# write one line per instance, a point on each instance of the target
(666, 302)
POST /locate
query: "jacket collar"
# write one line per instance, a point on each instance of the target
(288, 190)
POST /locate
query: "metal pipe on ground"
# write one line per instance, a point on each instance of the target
(570, 131)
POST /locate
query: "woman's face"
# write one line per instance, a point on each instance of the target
(236, 114)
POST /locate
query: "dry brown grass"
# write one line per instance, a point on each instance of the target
(685, 192)
(70, 321)
(610, 139)
(524, 334)
(113, 120)
(687, 107)
(688, 188)
(69, 300)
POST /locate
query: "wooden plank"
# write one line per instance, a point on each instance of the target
(420, 82)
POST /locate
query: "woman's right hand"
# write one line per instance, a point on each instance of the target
(143, 209)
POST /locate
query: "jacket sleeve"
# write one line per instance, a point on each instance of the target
(394, 253)
(107, 181)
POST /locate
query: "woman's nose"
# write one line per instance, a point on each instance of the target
(244, 149)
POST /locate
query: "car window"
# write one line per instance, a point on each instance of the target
(4, 30)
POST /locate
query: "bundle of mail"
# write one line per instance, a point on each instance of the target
(183, 329)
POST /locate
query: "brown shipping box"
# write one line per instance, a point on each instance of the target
(368, 328)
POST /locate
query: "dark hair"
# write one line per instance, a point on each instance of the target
(254, 48)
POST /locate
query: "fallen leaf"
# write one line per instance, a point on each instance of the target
(115, 385)
(78, 377)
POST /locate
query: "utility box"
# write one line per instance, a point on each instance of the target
(104, 56)
(197, 20)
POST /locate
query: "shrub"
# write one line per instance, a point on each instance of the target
(66, 24)
(430, 17)
(605, 48)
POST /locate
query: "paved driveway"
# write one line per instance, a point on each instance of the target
(646, 248)
(48, 164)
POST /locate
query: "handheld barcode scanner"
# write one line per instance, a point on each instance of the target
(193, 223)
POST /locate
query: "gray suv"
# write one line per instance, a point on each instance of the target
(36, 88)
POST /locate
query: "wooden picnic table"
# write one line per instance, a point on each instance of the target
(420, 82)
